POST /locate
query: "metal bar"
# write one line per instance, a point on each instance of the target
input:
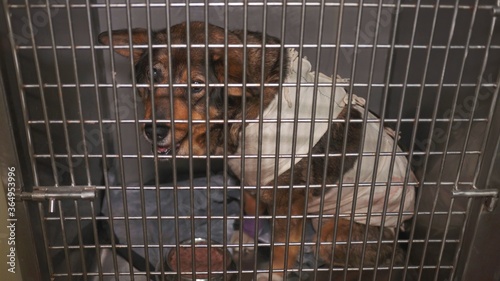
(57, 193)
(190, 139)
(312, 216)
(461, 240)
(42, 97)
(132, 187)
(470, 124)
(174, 153)
(78, 95)
(408, 171)
(294, 139)
(242, 144)
(412, 142)
(73, 247)
(254, 85)
(486, 177)
(253, 4)
(289, 45)
(207, 141)
(311, 141)
(138, 148)
(476, 193)
(282, 74)
(103, 156)
(476, 93)
(151, 87)
(414, 131)
(446, 229)
(120, 151)
(67, 258)
(497, 147)
(388, 72)
(60, 95)
(496, 9)
(108, 193)
(377, 150)
(225, 137)
(492, 107)
(50, 266)
(270, 120)
(260, 271)
(349, 104)
(97, 246)
(473, 152)
(259, 142)
(327, 151)
(435, 112)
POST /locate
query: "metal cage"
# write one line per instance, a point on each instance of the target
(92, 202)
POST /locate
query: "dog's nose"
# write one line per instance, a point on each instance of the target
(161, 131)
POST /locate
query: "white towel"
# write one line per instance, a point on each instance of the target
(303, 131)
(305, 106)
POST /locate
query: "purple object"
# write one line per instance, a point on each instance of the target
(249, 226)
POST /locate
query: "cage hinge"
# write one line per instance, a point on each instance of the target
(52, 193)
(491, 196)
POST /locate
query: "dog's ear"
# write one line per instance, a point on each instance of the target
(234, 60)
(121, 38)
(235, 64)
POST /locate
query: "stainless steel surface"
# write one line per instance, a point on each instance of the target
(29, 268)
(40, 193)
(429, 69)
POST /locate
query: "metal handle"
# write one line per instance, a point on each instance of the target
(490, 194)
(52, 194)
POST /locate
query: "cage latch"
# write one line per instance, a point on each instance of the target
(52, 193)
(491, 196)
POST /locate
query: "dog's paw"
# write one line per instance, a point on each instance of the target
(265, 277)
(246, 239)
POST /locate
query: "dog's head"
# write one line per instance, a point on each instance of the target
(194, 93)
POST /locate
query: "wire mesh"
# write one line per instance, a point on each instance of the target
(428, 70)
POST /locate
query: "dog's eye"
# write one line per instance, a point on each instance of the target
(156, 74)
(196, 87)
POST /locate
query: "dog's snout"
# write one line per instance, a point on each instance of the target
(161, 131)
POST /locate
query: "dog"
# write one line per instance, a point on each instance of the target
(204, 99)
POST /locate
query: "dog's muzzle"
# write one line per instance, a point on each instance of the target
(161, 134)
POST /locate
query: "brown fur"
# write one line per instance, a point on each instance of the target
(281, 204)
